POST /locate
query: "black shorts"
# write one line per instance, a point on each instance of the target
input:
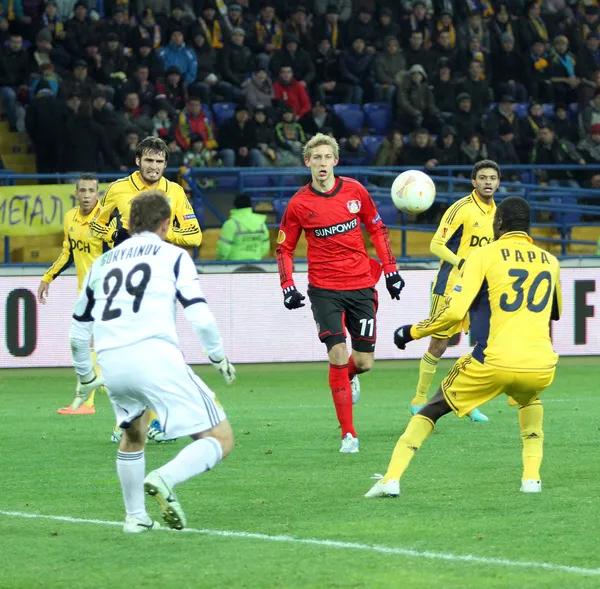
(337, 310)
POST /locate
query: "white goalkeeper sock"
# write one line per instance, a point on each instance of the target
(194, 459)
(131, 468)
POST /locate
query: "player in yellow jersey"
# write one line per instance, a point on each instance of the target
(79, 249)
(152, 155)
(111, 222)
(512, 290)
(465, 226)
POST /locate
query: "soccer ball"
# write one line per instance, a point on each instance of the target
(413, 192)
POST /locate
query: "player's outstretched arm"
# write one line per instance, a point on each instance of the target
(189, 293)
(449, 224)
(64, 260)
(455, 306)
(287, 239)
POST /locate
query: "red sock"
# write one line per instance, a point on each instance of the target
(342, 397)
(352, 369)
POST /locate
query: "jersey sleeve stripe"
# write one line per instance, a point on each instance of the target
(185, 303)
(456, 207)
(86, 316)
(177, 266)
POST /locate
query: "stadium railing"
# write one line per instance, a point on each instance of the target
(562, 205)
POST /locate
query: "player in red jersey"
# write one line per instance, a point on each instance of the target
(341, 275)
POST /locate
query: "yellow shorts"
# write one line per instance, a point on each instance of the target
(470, 384)
(437, 302)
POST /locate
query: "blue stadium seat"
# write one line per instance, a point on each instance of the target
(387, 210)
(491, 107)
(279, 205)
(372, 143)
(565, 220)
(207, 112)
(229, 182)
(526, 178)
(521, 109)
(548, 110)
(255, 181)
(573, 111)
(223, 112)
(378, 117)
(352, 115)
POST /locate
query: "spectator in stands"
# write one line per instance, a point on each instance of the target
(45, 78)
(385, 27)
(502, 149)
(445, 23)
(464, 120)
(508, 70)
(301, 27)
(473, 150)
(45, 118)
(500, 24)
(588, 26)
(291, 92)
(267, 35)
(78, 82)
(549, 150)
(244, 236)
(538, 72)
(505, 111)
(416, 106)
(259, 91)
(290, 138)
(136, 114)
(531, 125)
(193, 121)
(209, 85)
(119, 25)
(589, 147)
(297, 58)
(113, 57)
(52, 21)
(357, 70)
(390, 152)
(443, 48)
(447, 152)
(418, 21)
(327, 87)
(319, 118)
(129, 143)
(14, 69)
(178, 20)
(563, 71)
(176, 53)
(172, 89)
(145, 55)
(474, 28)
(590, 115)
(96, 68)
(163, 119)
(265, 136)
(474, 53)
(443, 87)
(209, 26)
(329, 27)
(199, 156)
(588, 58)
(420, 150)
(237, 19)
(146, 28)
(238, 141)
(416, 53)
(563, 126)
(532, 27)
(176, 156)
(237, 61)
(353, 152)
(364, 27)
(142, 86)
(476, 87)
(343, 8)
(80, 29)
(111, 121)
(390, 66)
(43, 52)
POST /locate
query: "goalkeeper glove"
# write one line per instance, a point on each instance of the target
(86, 385)
(225, 368)
(402, 336)
(292, 299)
(394, 284)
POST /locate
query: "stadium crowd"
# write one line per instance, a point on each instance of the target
(247, 84)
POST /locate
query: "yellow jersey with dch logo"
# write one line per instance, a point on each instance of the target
(116, 207)
(511, 288)
(465, 226)
(79, 247)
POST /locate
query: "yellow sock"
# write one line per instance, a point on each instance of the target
(427, 369)
(152, 415)
(417, 431)
(530, 421)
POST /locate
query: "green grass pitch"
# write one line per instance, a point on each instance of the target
(286, 477)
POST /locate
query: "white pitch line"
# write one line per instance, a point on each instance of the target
(464, 558)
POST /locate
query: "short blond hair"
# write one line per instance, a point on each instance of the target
(318, 140)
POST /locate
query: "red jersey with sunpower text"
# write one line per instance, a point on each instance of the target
(331, 221)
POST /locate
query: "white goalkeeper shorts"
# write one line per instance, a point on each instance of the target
(153, 374)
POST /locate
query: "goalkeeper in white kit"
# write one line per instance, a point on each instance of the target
(127, 305)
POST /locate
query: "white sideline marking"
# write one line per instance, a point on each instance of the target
(468, 558)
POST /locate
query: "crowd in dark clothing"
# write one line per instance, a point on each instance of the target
(248, 86)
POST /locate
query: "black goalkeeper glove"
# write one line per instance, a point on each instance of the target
(119, 236)
(402, 336)
(394, 284)
(292, 299)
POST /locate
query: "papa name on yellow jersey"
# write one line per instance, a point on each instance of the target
(79, 247)
(116, 207)
(466, 225)
(512, 290)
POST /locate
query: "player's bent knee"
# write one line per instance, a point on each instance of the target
(222, 433)
(364, 362)
(437, 407)
(338, 354)
(437, 347)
